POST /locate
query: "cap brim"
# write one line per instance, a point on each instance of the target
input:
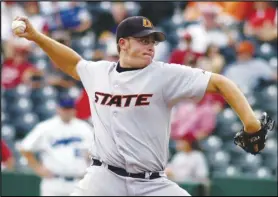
(158, 35)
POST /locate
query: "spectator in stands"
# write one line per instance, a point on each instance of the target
(231, 11)
(236, 11)
(196, 121)
(72, 16)
(55, 77)
(262, 22)
(209, 31)
(119, 13)
(7, 158)
(63, 143)
(192, 11)
(188, 164)
(32, 10)
(247, 71)
(9, 10)
(185, 55)
(109, 51)
(212, 60)
(106, 25)
(162, 51)
(18, 70)
(156, 14)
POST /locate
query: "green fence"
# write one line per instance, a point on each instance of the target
(19, 184)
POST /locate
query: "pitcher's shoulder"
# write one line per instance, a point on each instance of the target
(102, 64)
(164, 65)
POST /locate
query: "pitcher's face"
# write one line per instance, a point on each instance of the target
(139, 51)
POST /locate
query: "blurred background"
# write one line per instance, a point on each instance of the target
(236, 39)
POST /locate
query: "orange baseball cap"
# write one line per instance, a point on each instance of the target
(245, 47)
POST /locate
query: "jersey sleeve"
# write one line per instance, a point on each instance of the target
(34, 141)
(87, 70)
(184, 82)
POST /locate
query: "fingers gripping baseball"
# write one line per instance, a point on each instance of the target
(22, 27)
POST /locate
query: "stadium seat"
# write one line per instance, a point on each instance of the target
(211, 144)
(264, 172)
(250, 162)
(270, 147)
(266, 51)
(74, 92)
(24, 124)
(43, 94)
(46, 110)
(87, 41)
(271, 162)
(267, 98)
(21, 91)
(219, 159)
(7, 132)
(3, 104)
(19, 107)
(41, 64)
(236, 152)
(5, 118)
(225, 119)
(229, 132)
(229, 170)
(273, 62)
(269, 154)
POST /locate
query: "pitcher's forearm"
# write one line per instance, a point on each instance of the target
(236, 99)
(64, 57)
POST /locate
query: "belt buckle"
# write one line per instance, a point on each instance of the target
(148, 175)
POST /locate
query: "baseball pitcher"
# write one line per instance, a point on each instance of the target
(131, 100)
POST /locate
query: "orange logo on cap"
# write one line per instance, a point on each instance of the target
(147, 23)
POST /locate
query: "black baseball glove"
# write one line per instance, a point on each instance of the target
(255, 142)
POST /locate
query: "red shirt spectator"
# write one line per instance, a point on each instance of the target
(83, 106)
(186, 56)
(12, 73)
(6, 156)
(6, 153)
(259, 17)
(193, 121)
(179, 56)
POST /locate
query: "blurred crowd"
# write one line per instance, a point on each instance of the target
(236, 39)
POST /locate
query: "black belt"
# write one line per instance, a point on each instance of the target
(123, 172)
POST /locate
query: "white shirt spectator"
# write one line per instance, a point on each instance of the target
(203, 38)
(8, 13)
(247, 74)
(188, 166)
(63, 146)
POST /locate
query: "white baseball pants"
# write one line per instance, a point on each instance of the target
(100, 181)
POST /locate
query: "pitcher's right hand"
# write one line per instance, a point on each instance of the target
(30, 33)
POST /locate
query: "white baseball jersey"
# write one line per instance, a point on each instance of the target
(132, 110)
(63, 146)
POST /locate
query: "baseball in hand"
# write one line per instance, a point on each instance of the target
(18, 26)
